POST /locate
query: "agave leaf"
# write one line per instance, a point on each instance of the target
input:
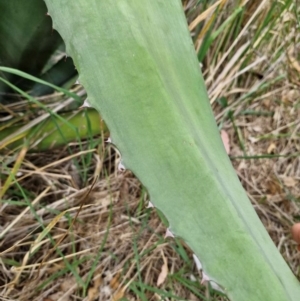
(138, 65)
(61, 74)
(52, 132)
(27, 39)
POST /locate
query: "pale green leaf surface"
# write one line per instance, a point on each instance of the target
(138, 65)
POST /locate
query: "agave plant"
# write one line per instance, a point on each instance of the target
(28, 52)
(137, 62)
(37, 53)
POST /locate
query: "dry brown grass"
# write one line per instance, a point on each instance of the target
(115, 241)
(112, 214)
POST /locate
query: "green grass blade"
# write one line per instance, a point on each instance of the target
(38, 80)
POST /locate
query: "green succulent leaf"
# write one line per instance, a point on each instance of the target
(137, 62)
(28, 43)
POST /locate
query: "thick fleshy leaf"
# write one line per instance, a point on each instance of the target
(138, 65)
(27, 41)
(52, 132)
